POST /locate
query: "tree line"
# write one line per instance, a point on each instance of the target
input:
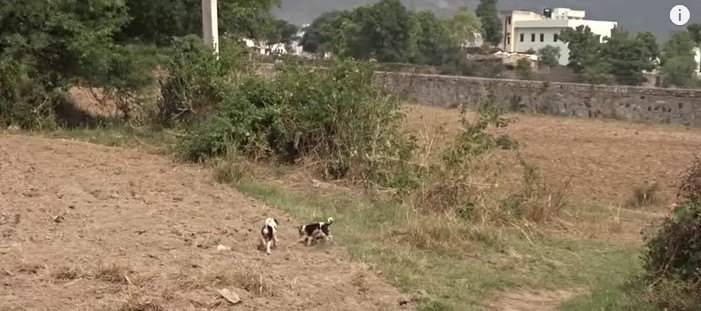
(623, 58)
(388, 32)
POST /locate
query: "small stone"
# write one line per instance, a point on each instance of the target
(223, 248)
(229, 295)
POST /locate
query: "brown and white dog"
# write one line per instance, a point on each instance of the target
(319, 230)
(269, 234)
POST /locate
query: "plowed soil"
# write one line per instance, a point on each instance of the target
(88, 227)
(603, 160)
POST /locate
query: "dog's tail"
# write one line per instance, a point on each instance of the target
(330, 220)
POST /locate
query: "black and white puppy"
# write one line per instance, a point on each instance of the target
(269, 234)
(319, 230)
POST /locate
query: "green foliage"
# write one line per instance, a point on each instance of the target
(673, 254)
(46, 46)
(695, 32)
(678, 64)
(523, 69)
(464, 25)
(649, 40)
(674, 257)
(388, 32)
(193, 88)
(431, 38)
(283, 32)
(381, 31)
(621, 58)
(321, 34)
(549, 55)
(583, 45)
(628, 57)
(333, 116)
(158, 21)
(491, 23)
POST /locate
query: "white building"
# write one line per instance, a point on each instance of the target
(474, 42)
(697, 58)
(528, 30)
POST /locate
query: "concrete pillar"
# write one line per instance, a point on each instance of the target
(210, 24)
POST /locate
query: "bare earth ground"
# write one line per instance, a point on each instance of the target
(605, 160)
(88, 227)
(128, 213)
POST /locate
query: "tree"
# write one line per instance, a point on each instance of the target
(583, 46)
(549, 55)
(430, 38)
(627, 57)
(464, 25)
(45, 46)
(650, 42)
(157, 21)
(323, 32)
(283, 32)
(388, 30)
(695, 32)
(491, 23)
(678, 64)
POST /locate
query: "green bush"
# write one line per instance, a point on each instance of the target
(673, 257)
(197, 80)
(332, 117)
(48, 46)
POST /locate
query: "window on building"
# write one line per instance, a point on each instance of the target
(542, 37)
(508, 20)
(533, 37)
(521, 37)
(508, 40)
(555, 37)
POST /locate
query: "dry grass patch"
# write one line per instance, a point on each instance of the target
(141, 306)
(66, 273)
(29, 268)
(112, 273)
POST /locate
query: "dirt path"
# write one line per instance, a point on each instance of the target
(139, 232)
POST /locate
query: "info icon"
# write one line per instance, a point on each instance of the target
(679, 15)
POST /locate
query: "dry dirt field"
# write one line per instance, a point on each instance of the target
(88, 227)
(605, 160)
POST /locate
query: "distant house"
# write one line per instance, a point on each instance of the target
(257, 47)
(525, 30)
(278, 48)
(475, 42)
(697, 58)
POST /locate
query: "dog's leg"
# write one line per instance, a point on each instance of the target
(267, 247)
(309, 241)
(275, 241)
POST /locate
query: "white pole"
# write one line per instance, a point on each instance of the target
(210, 24)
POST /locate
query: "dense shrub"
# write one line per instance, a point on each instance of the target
(48, 46)
(673, 256)
(333, 117)
(197, 78)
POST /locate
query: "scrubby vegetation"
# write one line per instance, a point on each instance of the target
(334, 124)
(673, 257)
